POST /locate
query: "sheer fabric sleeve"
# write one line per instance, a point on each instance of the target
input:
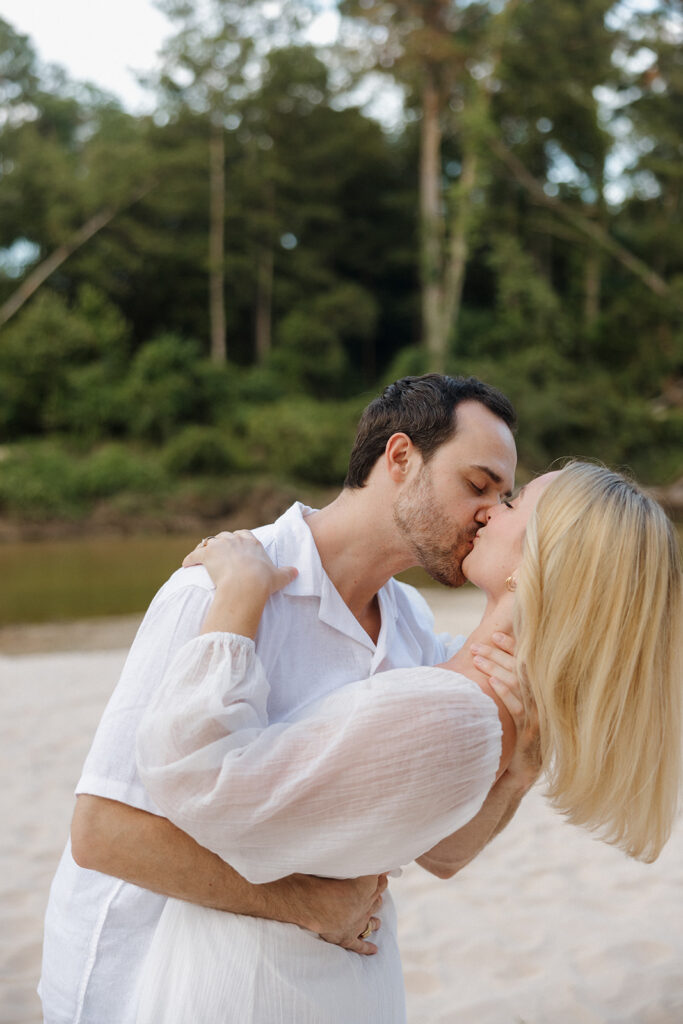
(365, 780)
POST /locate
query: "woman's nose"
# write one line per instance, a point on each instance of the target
(491, 511)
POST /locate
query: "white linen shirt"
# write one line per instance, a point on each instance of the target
(98, 928)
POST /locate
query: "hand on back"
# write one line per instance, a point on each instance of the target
(239, 560)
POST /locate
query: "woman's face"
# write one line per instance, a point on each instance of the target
(497, 549)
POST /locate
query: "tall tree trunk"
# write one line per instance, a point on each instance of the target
(459, 247)
(219, 350)
(431, 226)
(592, 283)
(264, 302)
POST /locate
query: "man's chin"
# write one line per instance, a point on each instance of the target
(449, 575)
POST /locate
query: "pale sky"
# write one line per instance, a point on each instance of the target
(107, 41)
(101, 41)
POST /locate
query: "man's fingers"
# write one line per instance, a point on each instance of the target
(360, 946)
(353, 943)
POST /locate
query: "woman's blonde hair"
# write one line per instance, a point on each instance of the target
(599, 638)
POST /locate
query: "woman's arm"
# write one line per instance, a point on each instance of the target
(374, 775)
(244, 577)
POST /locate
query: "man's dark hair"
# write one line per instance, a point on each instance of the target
(424, 409)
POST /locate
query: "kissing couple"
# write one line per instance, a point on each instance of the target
(288, 729)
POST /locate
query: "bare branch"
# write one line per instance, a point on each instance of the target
(649, 277)
(37, 277)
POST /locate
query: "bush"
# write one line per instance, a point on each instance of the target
(42, 349)
(113, 469)
(39, 481)
(169, 385)
(569, 410)
(42, 480)
(309, 355)
(302, 438)
(201, 451)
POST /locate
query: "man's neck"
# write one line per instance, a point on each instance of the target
(359, 550)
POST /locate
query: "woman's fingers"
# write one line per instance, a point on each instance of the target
(283, 575)
(505, 642)
(511, 698)
(494, 661)
(194, 557)
(239, 556)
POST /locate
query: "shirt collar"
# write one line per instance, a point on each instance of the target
(295, 546)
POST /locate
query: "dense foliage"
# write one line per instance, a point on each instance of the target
(214, 291)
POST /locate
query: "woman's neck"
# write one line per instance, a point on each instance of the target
(497, 618)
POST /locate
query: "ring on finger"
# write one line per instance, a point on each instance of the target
(368, 931)
(205, 541)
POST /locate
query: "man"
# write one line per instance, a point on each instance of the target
(432, 455)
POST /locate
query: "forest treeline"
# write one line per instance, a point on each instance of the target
(204, 297)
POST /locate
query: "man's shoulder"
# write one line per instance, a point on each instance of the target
(181, 579)
(287, 535)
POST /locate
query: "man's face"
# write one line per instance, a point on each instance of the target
(445, 501)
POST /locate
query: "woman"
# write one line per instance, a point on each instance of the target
(587, 568)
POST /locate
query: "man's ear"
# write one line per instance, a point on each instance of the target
(399, 454)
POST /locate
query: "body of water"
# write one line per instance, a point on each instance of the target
(45, 581)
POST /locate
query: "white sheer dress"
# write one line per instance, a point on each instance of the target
(363, 781)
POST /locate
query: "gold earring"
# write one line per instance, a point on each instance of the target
(511, 583)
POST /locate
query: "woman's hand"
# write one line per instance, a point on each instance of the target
(244, 577)
(497, 660)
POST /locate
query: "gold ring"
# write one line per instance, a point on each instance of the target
(368, 931)
(205, 541)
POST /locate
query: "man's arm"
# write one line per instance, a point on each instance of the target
(149, 851)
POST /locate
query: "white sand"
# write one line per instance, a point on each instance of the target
(547, 926)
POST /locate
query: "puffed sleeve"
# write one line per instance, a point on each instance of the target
(365, 780)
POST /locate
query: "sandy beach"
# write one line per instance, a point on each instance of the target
(547, 926)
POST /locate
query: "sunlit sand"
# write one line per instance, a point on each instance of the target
(547, 926)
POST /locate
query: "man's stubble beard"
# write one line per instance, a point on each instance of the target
(422, 524)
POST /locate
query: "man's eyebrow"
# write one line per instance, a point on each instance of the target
(497, 479)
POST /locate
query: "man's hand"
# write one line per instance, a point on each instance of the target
(151, 852)
(339, 910)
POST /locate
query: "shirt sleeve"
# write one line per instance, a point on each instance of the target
(174, 617)
(365, 780)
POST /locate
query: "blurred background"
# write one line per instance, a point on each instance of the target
(205, 275)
